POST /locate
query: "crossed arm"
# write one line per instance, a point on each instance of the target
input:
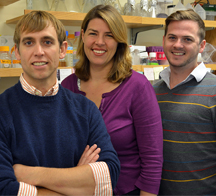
(57, 181)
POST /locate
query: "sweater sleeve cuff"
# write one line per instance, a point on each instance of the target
(27, 190)
(102, 179)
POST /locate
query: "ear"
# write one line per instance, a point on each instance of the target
(202, 46)
(17, 53)
(63, 49)
(163, 40)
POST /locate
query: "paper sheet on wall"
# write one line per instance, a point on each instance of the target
(149, 73)
(63, 73)
(157, 71)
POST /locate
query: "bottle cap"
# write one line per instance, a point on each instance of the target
(71, 36)
(143, 54)
(69, 48)
(4, 48)
(66, 33)
(152, 54)
(77, 33)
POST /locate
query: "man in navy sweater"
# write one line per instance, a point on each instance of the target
(45, 129)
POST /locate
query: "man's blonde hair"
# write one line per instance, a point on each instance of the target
(36, 21)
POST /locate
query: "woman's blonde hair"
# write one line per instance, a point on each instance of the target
(122, 60)
(36, 21)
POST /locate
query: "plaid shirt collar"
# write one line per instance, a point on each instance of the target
(32, 90)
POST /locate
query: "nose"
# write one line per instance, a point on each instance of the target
(38, 50)
(178, 43)
(100, 40)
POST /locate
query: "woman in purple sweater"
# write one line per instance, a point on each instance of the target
(125, 98)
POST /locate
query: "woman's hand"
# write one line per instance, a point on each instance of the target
(90, 155)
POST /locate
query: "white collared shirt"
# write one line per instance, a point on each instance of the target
(198, 73)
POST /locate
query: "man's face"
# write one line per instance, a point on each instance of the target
(182, 44)
(39, 53)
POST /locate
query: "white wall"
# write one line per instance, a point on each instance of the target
(148, 38)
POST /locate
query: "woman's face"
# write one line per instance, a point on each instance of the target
(99, 43)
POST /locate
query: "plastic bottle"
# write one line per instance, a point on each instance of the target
(136, 57)
(153, 60)
(170, 9)
(29, 4)
(115, 3)
(199, 10)
(5, 57)
(144, 58)
(69, 57)
(72, 5)
(189, 6)
(75, 44)
(152, 9)
(89, 4)
(15, 63)
(129, 8)
(3, 41)
(61, 7)
(40, 5)
(68, 41)
(160, 10)
(53, 5)
(69, 54)
(141, 9)
(167, 3)
(179, 6)
(71, 38)
(135, 51)
(62, 62)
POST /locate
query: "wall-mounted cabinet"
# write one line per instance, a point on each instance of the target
(7, 2)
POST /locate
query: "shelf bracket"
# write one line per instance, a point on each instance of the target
(209, 28)
(135, 31)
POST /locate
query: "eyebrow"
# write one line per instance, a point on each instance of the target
(31, 38)
(97, 31)
(184, 36)
(170, 34)
(26, 38)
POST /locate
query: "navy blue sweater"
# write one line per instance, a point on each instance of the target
(50, 132)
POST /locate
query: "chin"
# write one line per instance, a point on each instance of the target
(177, 65)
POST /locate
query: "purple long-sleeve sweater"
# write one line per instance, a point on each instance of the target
(133, 120)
